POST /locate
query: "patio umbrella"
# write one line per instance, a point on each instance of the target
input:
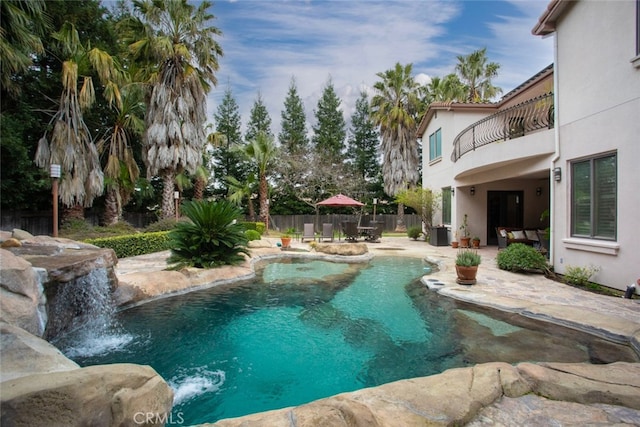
(339, 200)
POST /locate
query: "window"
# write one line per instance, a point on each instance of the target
(594, 197)
(446, 205)
(435, 145)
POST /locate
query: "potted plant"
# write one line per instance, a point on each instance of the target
(476, 242)
(467, 263)
(286, 237)
(454, 242)
(465, 237)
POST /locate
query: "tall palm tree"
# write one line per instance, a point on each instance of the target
(203, 173)
(176, 42)
(67, 141)
(22, 24)
(121, 170)
(262, 151)
(476, 73)
(395, 107)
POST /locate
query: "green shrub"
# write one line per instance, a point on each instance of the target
(134, 244)
(414, 232)
(468, 258)
(212, 238)
(580, 276)
(252, 235)
(519, 257)
(257, 226)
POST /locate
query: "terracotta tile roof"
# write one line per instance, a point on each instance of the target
(547, 22)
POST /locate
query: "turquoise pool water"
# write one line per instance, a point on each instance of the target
(306, 330)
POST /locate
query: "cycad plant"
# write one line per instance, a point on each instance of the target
(212, 238)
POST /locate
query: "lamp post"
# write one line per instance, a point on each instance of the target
(375, 203)
(54, 172)
(176, 198)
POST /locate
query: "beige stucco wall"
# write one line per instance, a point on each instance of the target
(439, 173)
(599, 112)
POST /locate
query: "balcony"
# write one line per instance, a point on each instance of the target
(510, 123)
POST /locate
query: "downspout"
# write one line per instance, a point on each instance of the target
(556, 156)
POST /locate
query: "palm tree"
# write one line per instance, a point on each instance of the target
(395, 107)
(239, 190)
(449, 88)
(262, 151)
(22, 24)
(121, 170)
(176, 42)
(476, 73)
(67, 141)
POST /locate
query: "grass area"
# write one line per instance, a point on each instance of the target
(80, 230)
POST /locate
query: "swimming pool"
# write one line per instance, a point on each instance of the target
(303, 330)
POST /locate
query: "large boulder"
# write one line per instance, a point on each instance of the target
(21, 234)
(103, 395)
(22, 301)
(136, 287)
(346, 249)
(25, 354)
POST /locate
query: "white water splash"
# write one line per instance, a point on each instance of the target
(199, 381)
(94, 330)
(87, 345)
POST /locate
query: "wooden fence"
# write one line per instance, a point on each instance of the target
(41, 223)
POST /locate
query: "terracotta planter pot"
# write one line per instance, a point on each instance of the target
(466, 275)
(464, 242)
(454, 244)
(286, 241)
(476, 244)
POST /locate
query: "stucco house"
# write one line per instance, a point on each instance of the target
(566, 142)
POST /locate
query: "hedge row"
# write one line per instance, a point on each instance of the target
(146, 243)
(134, 244)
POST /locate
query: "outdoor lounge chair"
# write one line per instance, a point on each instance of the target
(327, 231)
(350, 230)
(376, 234)
(308, 233)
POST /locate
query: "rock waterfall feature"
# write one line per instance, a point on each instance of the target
(49, 286)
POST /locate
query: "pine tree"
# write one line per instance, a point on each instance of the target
(293, 136)
(226, 158)
(330, 129)
(362, 148)
(259, 120)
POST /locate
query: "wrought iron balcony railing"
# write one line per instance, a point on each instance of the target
(510, 123)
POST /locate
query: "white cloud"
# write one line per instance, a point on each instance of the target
(268, 42)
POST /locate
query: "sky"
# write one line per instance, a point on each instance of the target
(266, 43)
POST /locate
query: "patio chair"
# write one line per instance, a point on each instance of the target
(376, 233)
(350, 230)
(327, 231)
(308, 233)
